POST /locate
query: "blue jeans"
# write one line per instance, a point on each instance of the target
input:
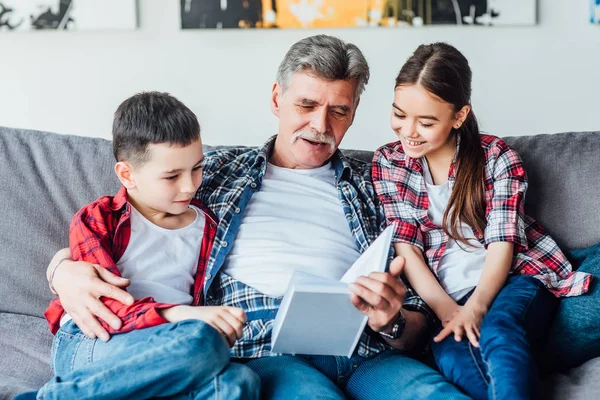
(184, 360)
(389, 375)
(503, 367)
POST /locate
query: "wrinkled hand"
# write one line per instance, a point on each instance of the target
(465, 322)
(80, 285)
(228, 321)
(380, 296)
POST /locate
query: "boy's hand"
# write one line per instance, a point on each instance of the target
(228, 321)
(466, 321)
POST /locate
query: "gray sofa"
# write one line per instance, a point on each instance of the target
(46, 177)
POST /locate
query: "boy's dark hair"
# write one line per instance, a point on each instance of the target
(151, 118)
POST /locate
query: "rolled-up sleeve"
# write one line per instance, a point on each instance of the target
(506, 209)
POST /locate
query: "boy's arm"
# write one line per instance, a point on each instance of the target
(424, 282)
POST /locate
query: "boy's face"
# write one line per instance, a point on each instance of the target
(168, 180)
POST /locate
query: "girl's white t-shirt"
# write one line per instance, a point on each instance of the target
(460, 266)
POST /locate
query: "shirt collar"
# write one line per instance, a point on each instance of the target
(340, 162)
(120, 199)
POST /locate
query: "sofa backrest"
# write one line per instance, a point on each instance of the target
(45, 178)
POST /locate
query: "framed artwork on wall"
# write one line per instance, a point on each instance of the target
(198, 14)
(595, 11)
(28, 15)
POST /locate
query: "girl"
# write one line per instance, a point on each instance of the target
(488, 271)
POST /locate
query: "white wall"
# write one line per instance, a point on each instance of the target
(527, 80)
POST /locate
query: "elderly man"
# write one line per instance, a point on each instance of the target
(295, 203)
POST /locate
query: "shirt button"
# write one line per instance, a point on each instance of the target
(253, 185)
(208, 276)
(225, 244)
(237, 210)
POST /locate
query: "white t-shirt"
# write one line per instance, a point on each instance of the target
(294, 222)
(160, 262)
(459, 268)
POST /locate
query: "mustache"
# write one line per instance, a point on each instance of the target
(314, 136)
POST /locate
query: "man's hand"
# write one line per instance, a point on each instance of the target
(228, 321)
(465, 322)
(79, 286)
(380, 296)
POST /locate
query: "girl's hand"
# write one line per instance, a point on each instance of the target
(466, 321)
(449, 313)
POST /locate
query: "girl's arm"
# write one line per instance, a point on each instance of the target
(498, 261)
(424, 282)
(467, 321)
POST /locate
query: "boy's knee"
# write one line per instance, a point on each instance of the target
(203, 343)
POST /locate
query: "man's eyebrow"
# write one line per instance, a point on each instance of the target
(420, 116)
(309, 102)
(174, 171)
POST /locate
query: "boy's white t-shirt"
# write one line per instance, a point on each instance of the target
(296, 215)
(161, 263)
(459, 268)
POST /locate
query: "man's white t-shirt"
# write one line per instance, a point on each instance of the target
(294, 222)
(459, 268)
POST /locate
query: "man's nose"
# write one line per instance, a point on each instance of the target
(319, 121)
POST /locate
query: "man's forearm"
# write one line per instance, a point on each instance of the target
(414, 329)
(60, 256)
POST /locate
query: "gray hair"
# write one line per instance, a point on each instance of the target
(326, 57)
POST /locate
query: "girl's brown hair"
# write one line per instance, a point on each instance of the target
(443, 71)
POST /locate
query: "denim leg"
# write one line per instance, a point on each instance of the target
(235, 382)
(461, 364)
(521, 313)
(392, 375)
(164, 360)
(291, 377)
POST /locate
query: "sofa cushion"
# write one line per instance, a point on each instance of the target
(25, 344)
(563, 184)
(48, 178)
(575, 333)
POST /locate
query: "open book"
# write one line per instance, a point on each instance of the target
(316, 315)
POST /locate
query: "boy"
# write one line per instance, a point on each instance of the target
(154, 233)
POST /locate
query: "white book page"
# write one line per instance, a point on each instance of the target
(374, 259)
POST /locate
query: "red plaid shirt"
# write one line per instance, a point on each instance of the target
(100, 234)
(400, 186)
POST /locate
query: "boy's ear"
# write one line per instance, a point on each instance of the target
(125, 174)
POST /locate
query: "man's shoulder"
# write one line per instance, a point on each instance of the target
(359, 161)
(225, 157)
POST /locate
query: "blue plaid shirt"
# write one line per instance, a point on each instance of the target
(231, 177)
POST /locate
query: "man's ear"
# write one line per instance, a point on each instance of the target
(125, 174)
(462, 114)
(276, 94)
